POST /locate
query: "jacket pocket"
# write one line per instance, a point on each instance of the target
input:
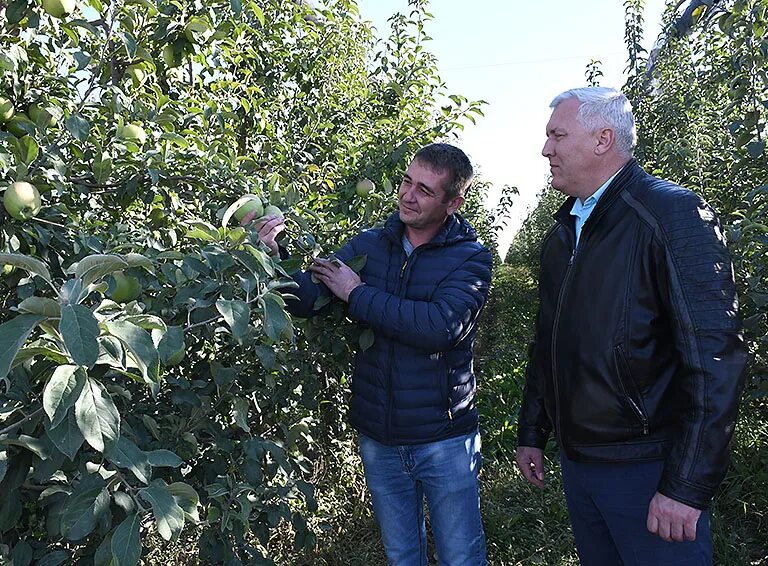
(443, 376)
(629, 389)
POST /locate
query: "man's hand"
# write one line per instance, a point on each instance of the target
(337, 276)
(531, 462)
(268, 227)
(672, 520)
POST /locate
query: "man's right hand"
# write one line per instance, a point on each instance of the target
(530, 460)
(268, 227)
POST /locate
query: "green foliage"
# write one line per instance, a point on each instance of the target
(700, 100)
(201, 401)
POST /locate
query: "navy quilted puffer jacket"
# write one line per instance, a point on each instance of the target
(415, 384)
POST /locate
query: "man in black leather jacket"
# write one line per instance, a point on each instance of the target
(638, 358)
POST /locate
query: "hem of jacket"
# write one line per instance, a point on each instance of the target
(395, 441)
(635, 451)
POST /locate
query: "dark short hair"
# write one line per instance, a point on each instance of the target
(442, 157)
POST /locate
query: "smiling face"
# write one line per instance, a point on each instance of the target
(573, 152)
(422, 202)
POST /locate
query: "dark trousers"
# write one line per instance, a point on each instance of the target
(608, 507)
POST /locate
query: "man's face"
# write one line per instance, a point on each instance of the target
(421, 197)
(570, 150)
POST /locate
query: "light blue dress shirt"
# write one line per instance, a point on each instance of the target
(582, 210)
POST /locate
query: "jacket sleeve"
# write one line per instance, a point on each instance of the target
(701, 300)
(533, 424)
(436, 325)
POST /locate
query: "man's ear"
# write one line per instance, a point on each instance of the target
(454, 204)
(606, 139)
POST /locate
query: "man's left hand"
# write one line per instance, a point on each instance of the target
(672, 520)
(337, 276)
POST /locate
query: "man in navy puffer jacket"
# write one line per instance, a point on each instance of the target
(421, 291)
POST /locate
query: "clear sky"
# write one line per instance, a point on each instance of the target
(517, 56)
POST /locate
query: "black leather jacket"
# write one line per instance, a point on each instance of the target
(638, 352)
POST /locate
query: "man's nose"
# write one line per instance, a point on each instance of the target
(546, 151)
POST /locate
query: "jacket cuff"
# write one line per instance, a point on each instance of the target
(680, 490)
(353, 306)
(534, 436)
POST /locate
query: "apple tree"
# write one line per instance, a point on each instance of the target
(151, 378)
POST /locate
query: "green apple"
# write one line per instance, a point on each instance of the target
(6, 110)
(22, 200)
(126, 288)
(8, 269)
(40, 114)
(171, 57)
(59, 8)
(248, 207)
(20, 125)
(272, 210)
(364, 187)
(137, 73)
(132, 132)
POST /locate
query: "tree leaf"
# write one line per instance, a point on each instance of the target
(240, 408)
(125, 454)
(83, 507)
(54, 558)
(35, 351)
(366, 339)
(80, 331)
(138, 260)
(61, 391)
(126, 544)
(163, 459)
(15, 12)
(13, 335)
(139, 343)
(276, 320)
(357, 263)
(102, 168)
(67, 436)
(40, 305)
(186, 497)
(96, 266)
(35, 445)
(29, 150)
(168, 515)
(3, 463)
(97, 415)
(22, 554)
(78, 126)
(237, 315)
(27, 263)
(171, 347)
(103, 554)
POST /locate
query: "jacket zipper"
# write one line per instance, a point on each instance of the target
(392, 348)
(620, 362)
(554, 335)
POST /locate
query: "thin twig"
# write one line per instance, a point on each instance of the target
(17, 424)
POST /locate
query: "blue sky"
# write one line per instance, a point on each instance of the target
(518, 56)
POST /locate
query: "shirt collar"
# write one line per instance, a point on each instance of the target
(591, 200)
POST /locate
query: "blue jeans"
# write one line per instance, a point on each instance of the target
(399, 477)
(608, 506)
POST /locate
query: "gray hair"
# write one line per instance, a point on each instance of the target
(604, 107)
